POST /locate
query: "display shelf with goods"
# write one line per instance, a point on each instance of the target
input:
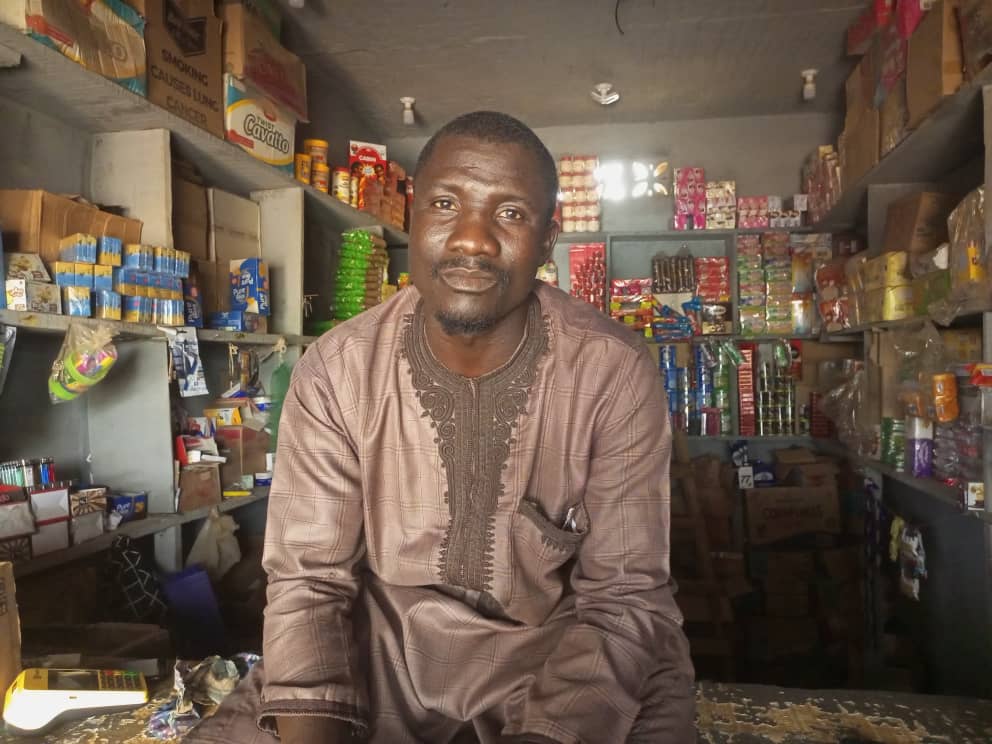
(949, 137)
(150, 525)
(43, 80)
(59, 324)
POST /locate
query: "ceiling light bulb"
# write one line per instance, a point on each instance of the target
(809, 84)
(603, 94)
(409, 118)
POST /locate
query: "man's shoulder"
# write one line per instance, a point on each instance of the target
(582, 328)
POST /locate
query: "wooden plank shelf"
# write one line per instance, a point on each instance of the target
(140, 528)
(59, 324)
(48, 82)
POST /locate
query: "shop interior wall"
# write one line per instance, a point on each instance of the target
(37, 151)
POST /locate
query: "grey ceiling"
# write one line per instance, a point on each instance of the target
(677, 59)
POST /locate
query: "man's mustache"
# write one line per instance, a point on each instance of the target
(501, 276)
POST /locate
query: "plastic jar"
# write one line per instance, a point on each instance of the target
(302, 167)
(320, 177)
(316, 149)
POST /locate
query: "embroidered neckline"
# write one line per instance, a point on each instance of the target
(474, 420)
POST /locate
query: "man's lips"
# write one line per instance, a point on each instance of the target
(468, 280)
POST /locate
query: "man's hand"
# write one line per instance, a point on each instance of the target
(314, 730)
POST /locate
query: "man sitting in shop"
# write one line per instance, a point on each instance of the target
(468, 527)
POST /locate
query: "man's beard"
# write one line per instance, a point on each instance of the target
(454, 324)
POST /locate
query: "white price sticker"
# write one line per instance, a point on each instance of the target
(745, 477)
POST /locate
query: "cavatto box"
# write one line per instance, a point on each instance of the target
(257, 125)
(366, 159)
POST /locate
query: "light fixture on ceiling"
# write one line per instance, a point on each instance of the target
(809, 84)
(409, 117)
(604, 95)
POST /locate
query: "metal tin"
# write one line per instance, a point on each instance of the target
(341, 185)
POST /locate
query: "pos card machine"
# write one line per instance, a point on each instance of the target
(38, 699)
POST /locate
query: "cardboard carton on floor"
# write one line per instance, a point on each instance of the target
(10, 630)
(185, 66)
(781, 512)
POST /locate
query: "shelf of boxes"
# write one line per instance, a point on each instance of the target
(138, 528)
(944, 141)
(59, 324)
(44, 80)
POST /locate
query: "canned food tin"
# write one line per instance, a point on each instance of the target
(316, 149)
(320, 176)
(302, 167)
(341, 185)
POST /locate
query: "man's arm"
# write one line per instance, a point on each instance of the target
(314, 540)
(629, 627)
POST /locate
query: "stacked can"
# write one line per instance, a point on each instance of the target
(721, 392)
(676, 381)
(894, 443)
(776, 400)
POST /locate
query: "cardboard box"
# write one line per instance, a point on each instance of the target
(88, 500)
(267, 11)
(50, 504)
(238, 320)
(794, 456)
(35, 221)
(105, 37)
(130, 505)
(185, 67)
(917, 223)
(16, 519)
(215, 292)
(859, 149)
(934, 66)
(235, 228)
(191, 218)
(782, 570)
(245, 451)
(199, 486)
(86, 527)
(34, 297)
(258, 125)
(842, 564)
(812, 475)
(253, 55)
(771, 637)
(26, 266)
(50, 536)
(15, 549)
(893, 118)
(781, 512)
(250, 286)
(10, 630)
(860, 91)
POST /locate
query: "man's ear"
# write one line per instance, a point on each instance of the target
(550, 238)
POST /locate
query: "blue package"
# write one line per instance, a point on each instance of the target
(250, 285)
(109, 251)
(234, 320)
(130, 505)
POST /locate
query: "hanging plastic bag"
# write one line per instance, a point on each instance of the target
(278, 387)
(8, 334)
(216, 548)
(86, 356)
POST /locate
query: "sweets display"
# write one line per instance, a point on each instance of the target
(721, 205)
(361, 273)
(631, 302)
(587, 273)
(579, 192)
(690, 199)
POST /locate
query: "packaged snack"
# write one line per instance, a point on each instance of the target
(86, 356)
(76, 302)
(26, 266)
(79, 247)
(109, 251)
(36, 297)
(106, 304)
(250, 286)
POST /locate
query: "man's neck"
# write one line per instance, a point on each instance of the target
(478, 354)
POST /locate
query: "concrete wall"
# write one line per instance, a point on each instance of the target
(763, 154)
(37, 151)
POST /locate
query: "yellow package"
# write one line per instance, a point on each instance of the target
(897, 303)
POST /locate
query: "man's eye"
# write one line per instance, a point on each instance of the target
(443, 204)
(511, 213)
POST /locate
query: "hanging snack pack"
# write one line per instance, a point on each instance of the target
(361, 273)
(87, 354)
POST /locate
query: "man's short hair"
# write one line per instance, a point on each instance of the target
(498, 128)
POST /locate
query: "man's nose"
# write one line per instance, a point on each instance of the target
(473, 235)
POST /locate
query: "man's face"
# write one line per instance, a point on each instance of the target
(479, 231)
